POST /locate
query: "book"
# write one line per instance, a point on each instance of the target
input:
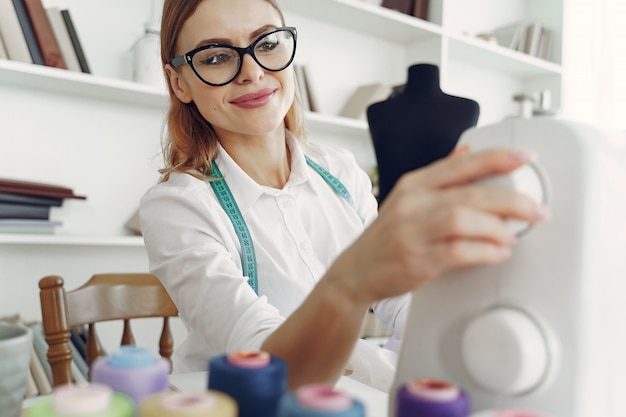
(3, 51)
(12, 35)
(80, 369)
(28, 31)
(302, 86)
(533, 36)
(63, 39)
(41, 348)
(48, 45)
(24, 211)
(78, 48)
(402, 6)
(37, 189)
(40, 379)
(509, 35)
(362, 98)
(33, 226)
(31, 386)
(545, 44)
(78, 338)
(420, 9)
(30, 199)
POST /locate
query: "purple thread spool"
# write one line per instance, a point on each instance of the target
(431, 398)
(134, 371)
(256, 380)
(319, 400)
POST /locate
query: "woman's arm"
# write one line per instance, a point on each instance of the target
(435, 220)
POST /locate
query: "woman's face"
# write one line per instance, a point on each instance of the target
(256, 101)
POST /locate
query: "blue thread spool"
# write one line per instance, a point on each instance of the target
(255, 380)
(319, 400)
(431, 398)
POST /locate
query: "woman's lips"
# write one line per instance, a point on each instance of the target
(254, 100)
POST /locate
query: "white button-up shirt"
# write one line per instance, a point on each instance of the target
(297, 233)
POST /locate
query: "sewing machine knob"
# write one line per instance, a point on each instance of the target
(528, 180)
(505, 351)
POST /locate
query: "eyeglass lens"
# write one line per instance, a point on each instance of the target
(218, 65)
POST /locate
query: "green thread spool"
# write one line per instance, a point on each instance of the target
(89, 400)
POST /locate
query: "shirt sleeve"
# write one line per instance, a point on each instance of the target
(193, 252)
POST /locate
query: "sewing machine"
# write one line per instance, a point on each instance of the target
(546, 330)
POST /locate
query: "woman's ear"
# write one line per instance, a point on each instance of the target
(180, 87)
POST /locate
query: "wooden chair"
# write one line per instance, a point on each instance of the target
(104, 297)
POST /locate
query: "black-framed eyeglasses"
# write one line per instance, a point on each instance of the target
(219, 64)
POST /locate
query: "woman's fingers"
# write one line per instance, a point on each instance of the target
(464, 167)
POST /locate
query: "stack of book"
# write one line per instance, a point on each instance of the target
(39, 380)
(531, 38)
(25, 206)
(44, 36)
(417, 8)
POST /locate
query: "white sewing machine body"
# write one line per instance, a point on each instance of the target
(546, 330)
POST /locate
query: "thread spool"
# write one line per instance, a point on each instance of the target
(188, 404)
(89, 400)
(319, 400)
(134, 371)
(508, 413)
(431, 398)
(256, 380)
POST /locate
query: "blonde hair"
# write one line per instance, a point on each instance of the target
(190, 143)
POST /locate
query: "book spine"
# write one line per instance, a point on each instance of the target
(420, 9)
(23, 211)
(402, 6)
(29, 32)
(71, 30)
(31, 200)
(3, 50)
(41, 348)
(14, 40)
(42, 383)
(79, 363)
(63, 38)
(46, 39)
(48, 193)
(302, 87)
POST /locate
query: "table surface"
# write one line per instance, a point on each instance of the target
(375, 401)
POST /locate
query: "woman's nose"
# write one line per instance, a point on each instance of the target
(251, 71)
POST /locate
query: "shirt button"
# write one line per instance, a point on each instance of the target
(287, 203)
(304, 246)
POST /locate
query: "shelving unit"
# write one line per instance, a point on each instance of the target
(100, 133)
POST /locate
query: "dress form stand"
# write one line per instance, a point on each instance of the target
(417, 126)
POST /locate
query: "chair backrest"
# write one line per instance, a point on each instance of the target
(104, 297)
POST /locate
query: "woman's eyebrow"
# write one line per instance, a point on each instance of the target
(227, 41)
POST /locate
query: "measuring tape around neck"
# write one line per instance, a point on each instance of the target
(228, 203)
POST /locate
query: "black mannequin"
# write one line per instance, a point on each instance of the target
(417, 126)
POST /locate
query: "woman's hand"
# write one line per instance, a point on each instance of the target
(436, 220)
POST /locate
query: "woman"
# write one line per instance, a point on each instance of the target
(287, 253)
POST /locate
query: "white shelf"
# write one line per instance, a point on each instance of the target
(54, 80)
(481, 53)
(65, 240)
(340, 126)
(367, 18)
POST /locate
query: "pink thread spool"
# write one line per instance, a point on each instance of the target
(319, 400)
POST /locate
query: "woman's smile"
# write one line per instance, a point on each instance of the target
(254, 100)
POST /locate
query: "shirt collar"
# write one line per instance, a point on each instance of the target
(245, 190)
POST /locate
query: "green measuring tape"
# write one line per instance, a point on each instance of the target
(228, 203)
